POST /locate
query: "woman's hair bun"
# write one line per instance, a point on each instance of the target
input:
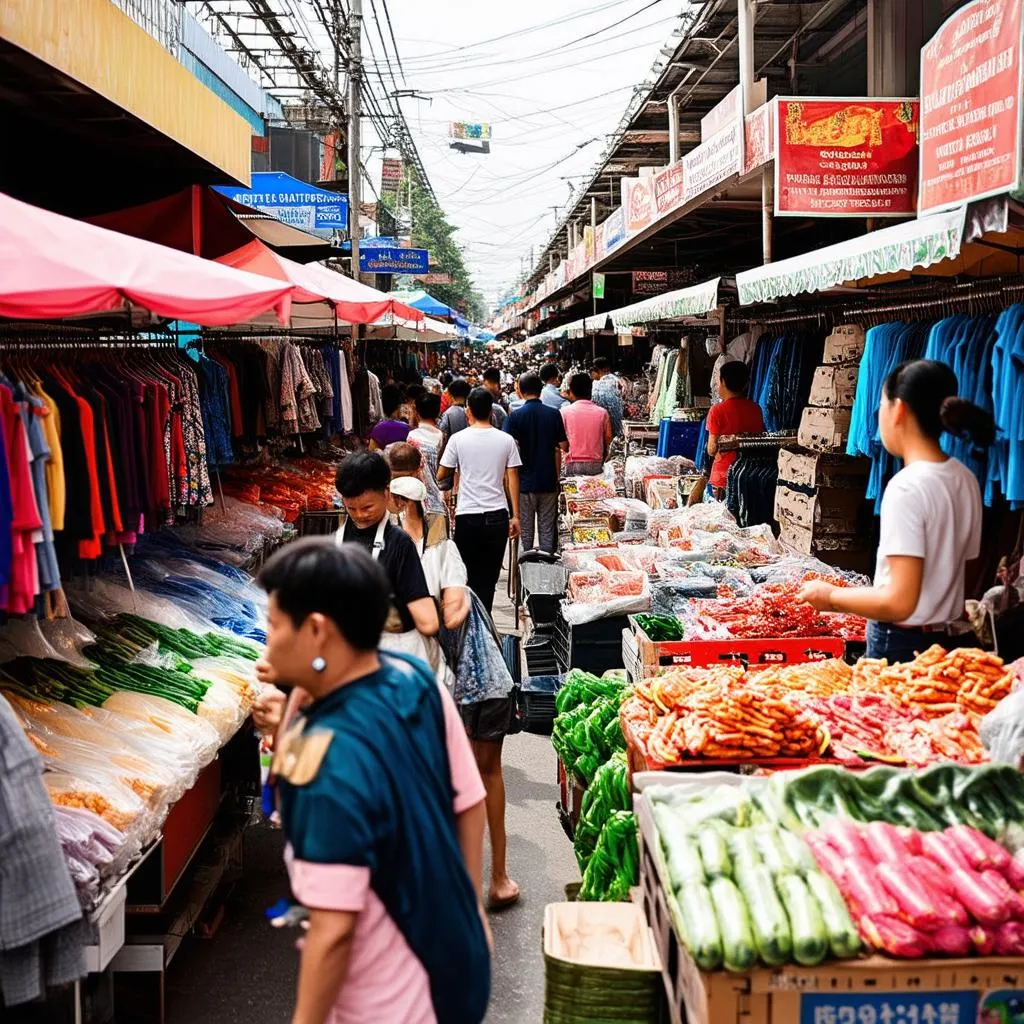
(967, 420)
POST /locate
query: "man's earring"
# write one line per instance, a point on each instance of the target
(319, 664)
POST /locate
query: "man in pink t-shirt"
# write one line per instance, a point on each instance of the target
(588, 427)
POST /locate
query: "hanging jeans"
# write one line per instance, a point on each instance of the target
(545, 508)
(481, 538)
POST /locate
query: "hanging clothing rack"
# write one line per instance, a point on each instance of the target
(973, 297)
(755, 442)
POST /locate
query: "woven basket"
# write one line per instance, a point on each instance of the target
(583, 993)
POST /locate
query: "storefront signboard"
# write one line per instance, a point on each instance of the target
(394, 261)
(614, 230)
(668, 188)
(972, 86)
(759, 137)
(848, 157)
(713, 161)
(638, 203)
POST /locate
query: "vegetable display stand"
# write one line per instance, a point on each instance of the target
(600, 963)
(641, 761)
(648, 655)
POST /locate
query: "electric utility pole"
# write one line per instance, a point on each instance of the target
(355, 85)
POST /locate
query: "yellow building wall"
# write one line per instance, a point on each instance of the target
(99, 46)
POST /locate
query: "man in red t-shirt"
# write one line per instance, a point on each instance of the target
(735, 414)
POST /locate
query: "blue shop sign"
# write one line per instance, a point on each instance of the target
(394, 261)
(292, 201)
(955, 1007)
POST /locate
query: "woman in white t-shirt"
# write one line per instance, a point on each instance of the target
(930, 519)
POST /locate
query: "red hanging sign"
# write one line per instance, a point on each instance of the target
(845, 157)
(971, 93)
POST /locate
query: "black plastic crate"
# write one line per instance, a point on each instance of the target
(537, 702)
(543, 588)
(540, 655)
(594, 647)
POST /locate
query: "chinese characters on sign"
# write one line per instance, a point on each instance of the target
(971, 91)
(390, 176)
(846, 158)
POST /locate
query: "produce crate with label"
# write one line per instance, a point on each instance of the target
(643, 657)
(770, 904)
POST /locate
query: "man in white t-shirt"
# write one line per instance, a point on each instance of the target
(487, 461)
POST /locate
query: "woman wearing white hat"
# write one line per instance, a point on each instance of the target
(477, 677)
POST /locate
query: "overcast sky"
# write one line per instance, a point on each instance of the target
(502, 202)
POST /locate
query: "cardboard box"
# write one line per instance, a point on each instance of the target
(806, 469)
(844, 345)
(824, 430)
(833, 509)
(834, 385)
(851, 552)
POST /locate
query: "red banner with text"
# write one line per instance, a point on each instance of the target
(846, 157)
(971, 85)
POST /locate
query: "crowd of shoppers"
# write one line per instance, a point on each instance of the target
(387, 781)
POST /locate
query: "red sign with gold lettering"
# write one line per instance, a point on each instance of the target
(846, 157)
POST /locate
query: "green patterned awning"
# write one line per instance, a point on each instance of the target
(694, 301)
(897, 249)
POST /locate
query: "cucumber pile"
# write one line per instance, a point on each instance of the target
(745, 893)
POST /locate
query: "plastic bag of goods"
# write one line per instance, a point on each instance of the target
(588, 487)
(661, 492)
(593, 596)
(168, 717)
(114, 802)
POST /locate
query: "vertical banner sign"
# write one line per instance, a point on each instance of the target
(759, 137)
(638, 203)
(971, 93)
(599, 240)
(845, 157)
(614, 229)
(598, 286)
(588, 247)
(390, 177)
(668, 188)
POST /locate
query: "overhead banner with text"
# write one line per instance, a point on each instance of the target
(394, 261)
(972, 78)
(845, 157)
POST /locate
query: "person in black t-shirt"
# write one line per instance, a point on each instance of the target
(362, 480)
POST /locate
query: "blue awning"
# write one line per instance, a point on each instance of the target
(292, 201)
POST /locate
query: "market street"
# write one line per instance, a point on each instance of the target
(512, 513)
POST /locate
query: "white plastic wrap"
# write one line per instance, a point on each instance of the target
(1002, 730)
(596, 598)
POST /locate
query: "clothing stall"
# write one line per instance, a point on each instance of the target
(145, 474)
